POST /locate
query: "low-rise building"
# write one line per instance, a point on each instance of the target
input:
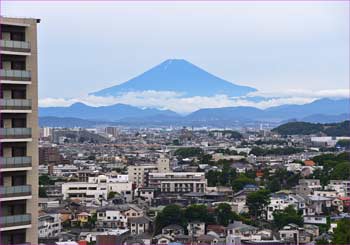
(178, 182)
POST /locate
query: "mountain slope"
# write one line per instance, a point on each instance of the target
(322, 106)
(178, 76)
(273, 114)
(103, 113)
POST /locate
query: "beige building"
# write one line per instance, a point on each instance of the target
(138, 174)
(18, 132)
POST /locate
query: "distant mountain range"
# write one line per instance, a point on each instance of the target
(180, 76)
(105, 113)
(323, 110)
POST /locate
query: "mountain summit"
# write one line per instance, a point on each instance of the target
(177, 75)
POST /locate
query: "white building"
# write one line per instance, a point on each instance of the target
(278, 202)
(97, 188)
(178, 182)
(342, 187)
(49, 225)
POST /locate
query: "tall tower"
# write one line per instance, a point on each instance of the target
(19, 131)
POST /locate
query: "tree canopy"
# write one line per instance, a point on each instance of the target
(341, 234)
(257, 201)
(287, 216)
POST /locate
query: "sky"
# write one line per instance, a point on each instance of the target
(296, 49)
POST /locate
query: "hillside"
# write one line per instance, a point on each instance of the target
(305, 128)
(110, 113)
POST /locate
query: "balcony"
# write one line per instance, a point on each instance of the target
(15, 191)
(15, 104)
(14, 220)
(14, 46)
(15, 134)
(15, 162)
(16, 75)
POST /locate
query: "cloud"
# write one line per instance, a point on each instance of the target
(329, 93)
(174, 101)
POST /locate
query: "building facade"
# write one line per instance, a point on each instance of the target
(19, 131)
(178, 182)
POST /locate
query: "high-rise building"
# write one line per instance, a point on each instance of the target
(49, 155)
(112, 131)
(19, 131)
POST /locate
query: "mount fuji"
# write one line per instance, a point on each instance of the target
(179, 76)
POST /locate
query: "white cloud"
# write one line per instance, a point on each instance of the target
(174, 101)
(329, 93)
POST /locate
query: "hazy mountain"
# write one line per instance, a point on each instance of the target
(178, 76)
(325, 107)
(102, 113)
(324, 110)
(322, 106)
(241, 113)
(68, 122)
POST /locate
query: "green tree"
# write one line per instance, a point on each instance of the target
(111, 194)
(188, 152)
(213, 177)
(257, 201)
(341, 171)
(241, 181)
(273, 185)
(45, 180)
(171, 214)
(205, 159)
(224, 214)
(341, 234)
(287, 216)
(42, 191)
(198, 212)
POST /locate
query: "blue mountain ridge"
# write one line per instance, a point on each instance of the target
(180, 76)
(120, 112)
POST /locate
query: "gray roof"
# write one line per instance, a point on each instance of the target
(238, 225)
(173, 227)
(140, 220)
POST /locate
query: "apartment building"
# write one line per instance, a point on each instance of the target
(178, 182)
(49, 225)
(97, 188)
(342, 187)
(138, 173)
(19, 130)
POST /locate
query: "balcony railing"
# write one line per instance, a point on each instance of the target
(15, 220)
(15, 46)
(15, 104)
(15, 75)
(15, 191)
(15, 133)
(15, 162)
